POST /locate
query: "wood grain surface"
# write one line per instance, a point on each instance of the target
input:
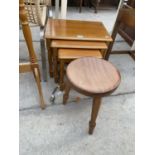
(76, 30)
(93, 75)
(78, 44)
(78, 53)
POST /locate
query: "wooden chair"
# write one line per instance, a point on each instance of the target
(86, 2)
(67, 55)
(80, 8)
(98, 4)
(33, 65)
(92, 77)
(37, 13)
(125, 18)
(95, 3)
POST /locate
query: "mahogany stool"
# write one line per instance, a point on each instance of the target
(92, 77)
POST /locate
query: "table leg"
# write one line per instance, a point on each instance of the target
(94, 113)
(50, 57)
(81, 1)
(55, 64)
(103, 52)
(66, 94)
(62, 75)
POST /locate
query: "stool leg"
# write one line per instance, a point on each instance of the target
(94, 113)
(66, 94)
(61, 75)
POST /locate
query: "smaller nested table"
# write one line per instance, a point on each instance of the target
(92, 77)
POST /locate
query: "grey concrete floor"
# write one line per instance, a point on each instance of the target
(62, 130)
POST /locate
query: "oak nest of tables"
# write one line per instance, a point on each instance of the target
(75, 34)
(92, 77)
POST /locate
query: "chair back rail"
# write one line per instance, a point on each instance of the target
(125, 16)
(37, 11)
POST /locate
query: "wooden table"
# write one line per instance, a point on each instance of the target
(73, 30)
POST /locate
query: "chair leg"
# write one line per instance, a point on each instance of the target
(80, 9)
(34, 74)
(66, 94)
(89, 4)
(43, 54)
(61, 75)
(96, 6)
(114, 33)
(37, 78)
(94, 113)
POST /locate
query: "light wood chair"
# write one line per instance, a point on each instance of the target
(125, 18)
(92, 77)
(67, 55)
(33, 65)
(37, 13)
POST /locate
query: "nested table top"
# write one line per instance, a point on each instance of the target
(93, 76)
(76, 30)
(78, 44)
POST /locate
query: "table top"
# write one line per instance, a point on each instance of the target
(93, 75)
(78, 53)
(76, 30)
(78, 44)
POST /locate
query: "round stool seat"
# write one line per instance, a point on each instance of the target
(93, 76)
